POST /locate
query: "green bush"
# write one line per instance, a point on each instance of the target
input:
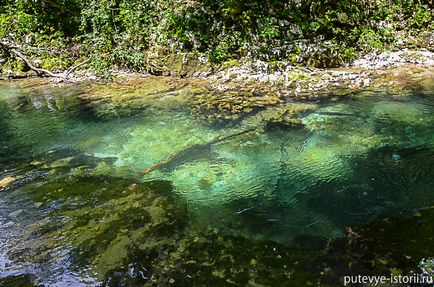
(116, 33)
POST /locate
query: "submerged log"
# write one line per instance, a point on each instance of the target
(192, 149)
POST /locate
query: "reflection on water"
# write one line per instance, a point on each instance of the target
(77, 205)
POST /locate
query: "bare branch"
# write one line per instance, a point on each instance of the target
(191, 150)
(40, 71)
(70, 70)
(31, 66)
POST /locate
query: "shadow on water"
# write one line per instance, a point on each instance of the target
(390, 182)
(5, 132)
(19, 281)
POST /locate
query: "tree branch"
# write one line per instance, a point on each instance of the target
(70, 70)
(37, 70)
(40, 71)
(191, 150)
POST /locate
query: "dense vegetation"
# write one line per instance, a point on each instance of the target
(117, 33)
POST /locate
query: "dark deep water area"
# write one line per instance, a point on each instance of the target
(347, 190)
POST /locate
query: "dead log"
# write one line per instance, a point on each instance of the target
(40, 71)
(191, 149)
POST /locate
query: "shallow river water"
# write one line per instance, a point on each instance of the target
(348, 190)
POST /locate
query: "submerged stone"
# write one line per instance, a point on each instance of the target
(25, 280)
(229, 106)
(211, 258)
(282, 116)
(6, 182)
(126, 98)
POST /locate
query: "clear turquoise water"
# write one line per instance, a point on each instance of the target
(355, 161)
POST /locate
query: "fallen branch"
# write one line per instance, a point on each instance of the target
(70, 70)
(40, 71)
(192, 149)
(37, 70)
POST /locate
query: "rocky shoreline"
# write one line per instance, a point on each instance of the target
(392, 70)
(386, 69)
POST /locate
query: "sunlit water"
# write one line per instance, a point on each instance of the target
(354, 161)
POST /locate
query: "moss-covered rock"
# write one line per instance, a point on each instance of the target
(161, 62)
(219, 107)
(214, 258)
(23, 280)
(127, 97)
(280, 116)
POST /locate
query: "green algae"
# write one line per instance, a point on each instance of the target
(127, 98)
(213, 258)
(100, 219)
(217, 107)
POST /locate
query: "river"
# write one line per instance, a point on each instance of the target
(253, 199)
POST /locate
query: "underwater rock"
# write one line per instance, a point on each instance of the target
(236, 171)
(192, 153)
(124, 98)
(403, 124)
(55, 163)
(6, 182)
(24, 280)
(383, 247)
(165, 134)
(220, 107)
(340, 117)
(63, 162)
(407, 113)
(280, 116)
(364, 125)
(211, 258)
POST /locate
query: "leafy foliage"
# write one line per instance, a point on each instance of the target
(117, 33)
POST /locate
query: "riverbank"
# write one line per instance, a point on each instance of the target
(399, 70)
